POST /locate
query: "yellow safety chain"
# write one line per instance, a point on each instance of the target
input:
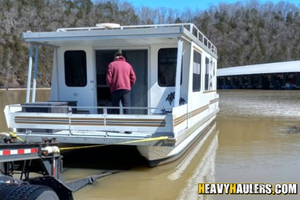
(14, 135)
(100, 145)
(81, 147)
(120, 143)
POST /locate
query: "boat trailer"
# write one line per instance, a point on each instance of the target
(40, 167)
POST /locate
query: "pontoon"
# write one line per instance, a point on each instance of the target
(173, 101)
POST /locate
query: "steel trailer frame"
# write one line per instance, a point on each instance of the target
(50, 163)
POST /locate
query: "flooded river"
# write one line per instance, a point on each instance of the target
(255, 139)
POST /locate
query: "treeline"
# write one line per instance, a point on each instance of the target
(244, 32)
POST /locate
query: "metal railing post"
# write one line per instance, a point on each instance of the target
(35, 72)
(104, 116)
(178, 72)
(70, 122)
(29, 74)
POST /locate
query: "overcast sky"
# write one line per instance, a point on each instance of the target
(193, 4)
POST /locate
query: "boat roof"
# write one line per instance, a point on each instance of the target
(279, 67)
(116, 36)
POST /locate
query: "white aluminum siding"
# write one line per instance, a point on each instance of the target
(280, 67)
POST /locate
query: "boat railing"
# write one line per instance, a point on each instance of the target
(188, 26)
(48, 107)
(89, 118)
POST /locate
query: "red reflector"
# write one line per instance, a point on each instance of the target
(6, 152)
(21, 151)
(35, 150)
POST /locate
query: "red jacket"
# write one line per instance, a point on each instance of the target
(120, 75)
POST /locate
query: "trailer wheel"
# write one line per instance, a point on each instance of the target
(29, 192)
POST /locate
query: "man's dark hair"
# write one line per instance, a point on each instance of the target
(118, 54)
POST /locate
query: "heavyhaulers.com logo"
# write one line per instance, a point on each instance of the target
(248, 188)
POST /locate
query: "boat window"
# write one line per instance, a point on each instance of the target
(197, 71)
(75, 68)
(167, 61)
(206, 73)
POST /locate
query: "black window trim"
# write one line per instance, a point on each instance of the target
(206, 74)
(158, 82)
(65, 71)
(195, 50)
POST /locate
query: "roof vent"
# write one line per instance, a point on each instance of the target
(108, 25)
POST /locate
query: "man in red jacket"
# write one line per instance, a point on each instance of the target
(120, 78)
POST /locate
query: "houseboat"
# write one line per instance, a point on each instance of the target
(173, 100)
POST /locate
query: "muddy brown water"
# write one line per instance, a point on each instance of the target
(255, 139)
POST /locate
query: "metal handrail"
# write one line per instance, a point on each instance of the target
(188, 26)
(104, 108)
(65, 117)
(89, 107)
(124, 27)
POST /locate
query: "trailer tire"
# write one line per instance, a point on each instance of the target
(29, 192)
(4, 187)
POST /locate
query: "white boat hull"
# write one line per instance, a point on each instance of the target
(164, 154)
